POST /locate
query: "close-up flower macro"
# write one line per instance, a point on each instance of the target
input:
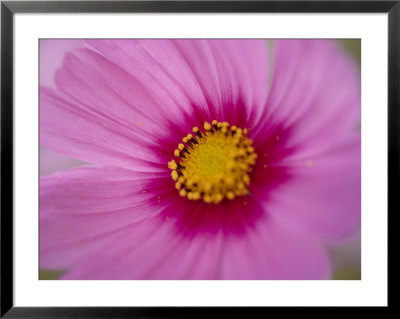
(198, 159)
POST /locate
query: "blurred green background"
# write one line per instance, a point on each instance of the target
(354, 47)
(346, 255)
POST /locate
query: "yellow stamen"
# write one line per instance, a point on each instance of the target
(172, 165)
(174, 175)
(213, 164)
(182, 192)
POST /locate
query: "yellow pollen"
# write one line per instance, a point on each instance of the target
(207, 126)
(174, 175)
(309, 163)
(213, 164)
(176, 153)
(172, 165)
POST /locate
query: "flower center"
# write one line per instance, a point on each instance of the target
(214, 163)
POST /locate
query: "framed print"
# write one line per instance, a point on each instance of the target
(164, 155)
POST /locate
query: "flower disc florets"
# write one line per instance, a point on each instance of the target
(214, 163)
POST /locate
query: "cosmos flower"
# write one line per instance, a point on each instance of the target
(211, 159)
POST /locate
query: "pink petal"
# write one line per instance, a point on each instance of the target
(275, 249)
(52, 52)
(309, 148)
(315, 93)
(223, 248)
(173, 245)
(89, 204)
(150, 250)
(102, 87)
(309, 188)
(323, 194)
(233, 75)
(74, 130)
(209, 78)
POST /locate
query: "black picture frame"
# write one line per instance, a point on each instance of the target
(9, 8)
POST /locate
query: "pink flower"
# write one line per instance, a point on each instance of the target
(257, 197)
